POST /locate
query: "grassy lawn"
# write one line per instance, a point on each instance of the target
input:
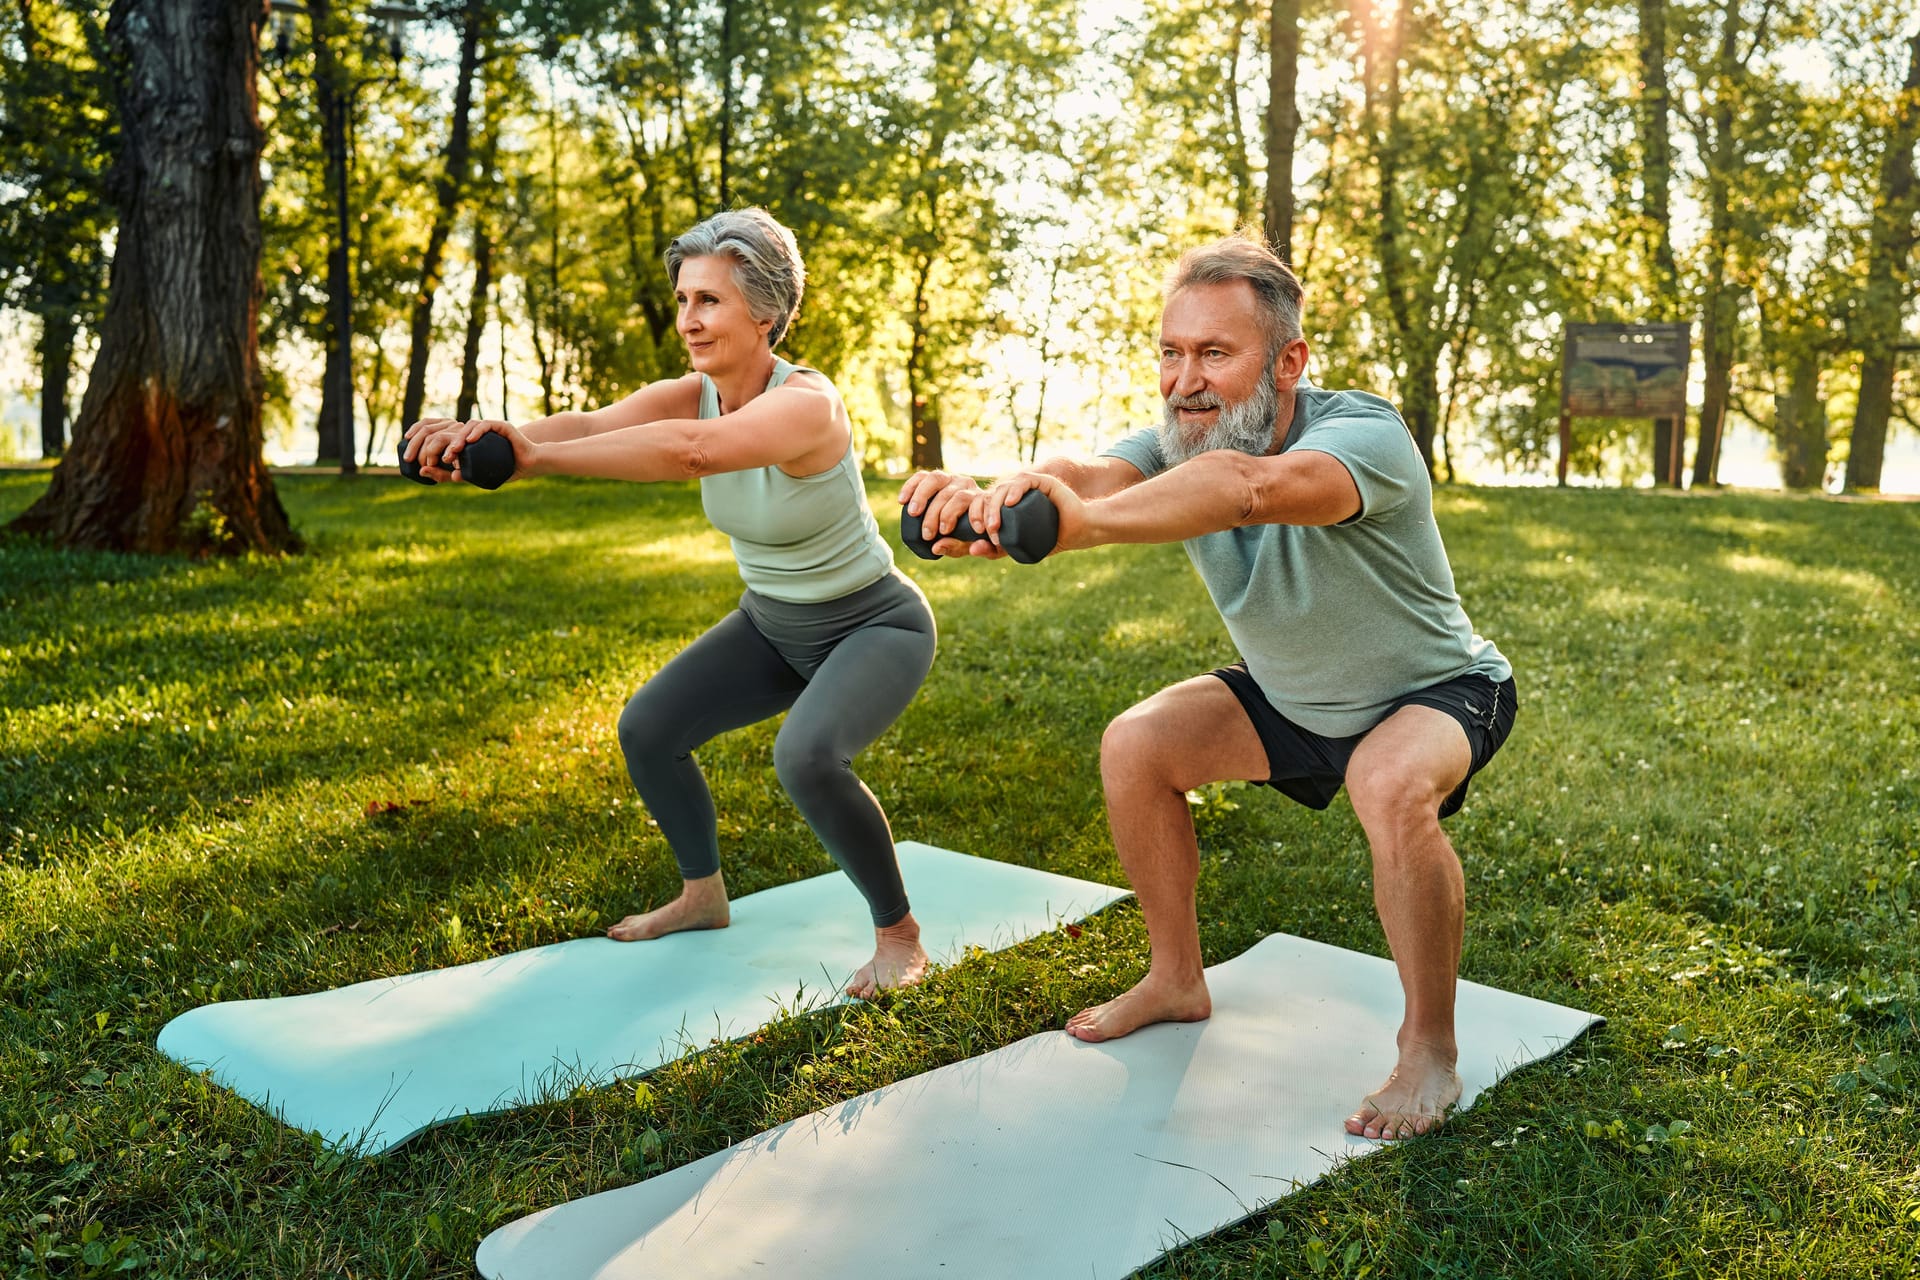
(223, 781)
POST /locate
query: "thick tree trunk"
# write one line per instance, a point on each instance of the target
(335, 426)
(447, 190)
(1656, 173)
(1283, 122)
(56, 366)
(166, 452)
(1889, 284)
(1800, 424)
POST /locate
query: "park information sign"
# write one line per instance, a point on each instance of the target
(1626, 370)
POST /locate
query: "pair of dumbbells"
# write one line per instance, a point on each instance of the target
(1029, 530)
(487, 462)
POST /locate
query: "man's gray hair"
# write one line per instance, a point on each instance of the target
(1241, 257)
(766, 263)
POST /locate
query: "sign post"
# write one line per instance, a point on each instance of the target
(1626, 371)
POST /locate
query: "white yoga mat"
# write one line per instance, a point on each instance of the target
(1048, 1157)
(369, 1066)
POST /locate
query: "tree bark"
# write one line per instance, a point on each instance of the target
(1283, 123)
(476, 322)
(923, 403)
(727, 98)
(447, 190)
(56, 366)
(166, 454)
(1722, 301)
(1800, 424)
(1889, 284)
(335, 426)
(1236, 129)
(1656, 161)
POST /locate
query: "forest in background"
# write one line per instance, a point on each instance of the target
(988, 194)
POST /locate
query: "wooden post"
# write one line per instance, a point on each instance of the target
(1566, 447)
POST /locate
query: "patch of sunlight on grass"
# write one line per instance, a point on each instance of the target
(1826, 577)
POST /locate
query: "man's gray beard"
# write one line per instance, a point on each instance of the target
(1248, 426)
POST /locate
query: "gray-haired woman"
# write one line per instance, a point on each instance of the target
(827, 629)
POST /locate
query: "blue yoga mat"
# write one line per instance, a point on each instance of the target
(369, 1066)
(1049, 1157)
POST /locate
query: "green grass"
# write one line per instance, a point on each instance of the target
(231, 780)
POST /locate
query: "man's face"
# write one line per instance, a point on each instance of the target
(1212, 353)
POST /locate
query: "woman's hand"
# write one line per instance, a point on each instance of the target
(939, 498)
(439, 442)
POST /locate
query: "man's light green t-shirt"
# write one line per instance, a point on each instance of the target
(1337, 623)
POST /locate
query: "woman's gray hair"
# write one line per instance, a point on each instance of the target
(766, 263)
(1241, 257)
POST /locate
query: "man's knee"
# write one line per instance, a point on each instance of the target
(1131, 745)
(1393, 800)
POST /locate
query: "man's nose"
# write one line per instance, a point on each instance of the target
(1187, 377)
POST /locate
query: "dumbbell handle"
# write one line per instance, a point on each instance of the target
(487, 462)
(1029, 530)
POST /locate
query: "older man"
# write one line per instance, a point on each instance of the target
(1309, 516)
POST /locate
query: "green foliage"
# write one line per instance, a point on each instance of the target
(245, 778)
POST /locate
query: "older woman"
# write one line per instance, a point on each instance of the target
(827, 629)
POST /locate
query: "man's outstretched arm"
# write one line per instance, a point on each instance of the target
(1224, 489)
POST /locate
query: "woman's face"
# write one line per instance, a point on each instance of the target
(714, 322)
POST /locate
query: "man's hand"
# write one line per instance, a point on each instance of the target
(984, 512)
(940, 498)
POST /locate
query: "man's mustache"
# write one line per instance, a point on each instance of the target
(1205, 400)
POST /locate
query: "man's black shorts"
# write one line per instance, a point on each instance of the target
(1310, 767)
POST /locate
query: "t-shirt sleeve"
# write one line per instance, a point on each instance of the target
(1377, 452)
(1142, 449)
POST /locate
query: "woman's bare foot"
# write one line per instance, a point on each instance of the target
(1155, 998)
(702, 904)
(1414, 1100)
(898, 960)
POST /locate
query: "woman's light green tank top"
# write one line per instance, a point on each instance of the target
(800, 540)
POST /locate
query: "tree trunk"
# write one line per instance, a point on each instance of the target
(335, 426)
(1236, 129)
(447, 188)
(166, 452)
(1722, 301)
(727, 96)
(1283, 123)
(56, 366)
(476, 323)
(1656, 173)
(923, 403)
(1889, 284)
(1412, 346)
(1800, 424)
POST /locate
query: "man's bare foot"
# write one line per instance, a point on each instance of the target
(1153, 999)
(1414, 1100)
(702, 904)
(898, 960)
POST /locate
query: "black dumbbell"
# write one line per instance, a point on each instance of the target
(487, 462)
(1029, 529)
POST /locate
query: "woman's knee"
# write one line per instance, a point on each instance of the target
(644, 733)
(806, 764)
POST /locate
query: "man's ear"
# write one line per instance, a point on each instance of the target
(1291, 364)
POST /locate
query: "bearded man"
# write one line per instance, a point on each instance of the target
(1309, 516)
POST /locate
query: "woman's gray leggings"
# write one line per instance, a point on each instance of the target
(846, 668)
